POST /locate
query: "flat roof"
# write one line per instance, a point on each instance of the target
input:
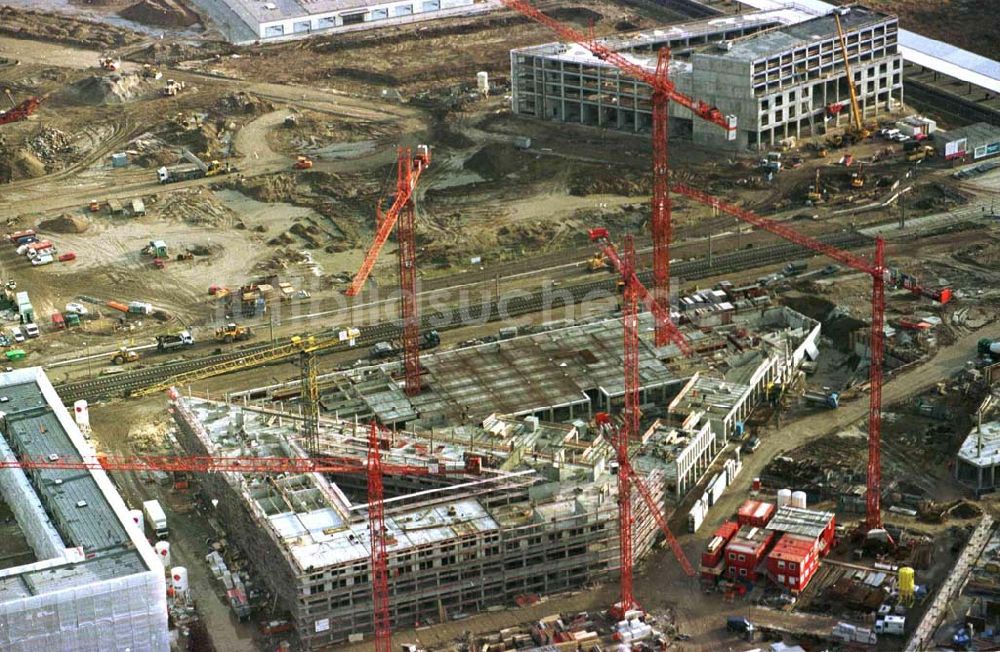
(927, 52)
(628, 42)
(79, 513)
(979, 133)
(792, 548)
(286, 9)
(795, 520)
(802, 33)
(982, 446)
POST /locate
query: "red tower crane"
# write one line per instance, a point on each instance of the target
(621, 437)
(408, 171)
(631, 280)
(379, 560)
(875, 268)
(664, 92)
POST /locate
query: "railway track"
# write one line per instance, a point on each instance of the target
(486, 311)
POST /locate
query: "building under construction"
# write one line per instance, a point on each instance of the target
(94, 582)
(537, 515)
(778, 74)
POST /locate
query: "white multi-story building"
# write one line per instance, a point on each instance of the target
(95, 584)
(779, 75)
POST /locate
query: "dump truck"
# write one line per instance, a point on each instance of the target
(174, 340)
(194, 169)
(824, 398)
(795, 268)
(156, 518)
(124, 355)
(303, 163)
(232, 332)
(428, 340)
(920, 153)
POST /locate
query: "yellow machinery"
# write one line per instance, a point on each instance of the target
(232, 333)
(920, 153)
(858, 177)
(597, 263)
(858, 128)
(123, 355)
(815, 194)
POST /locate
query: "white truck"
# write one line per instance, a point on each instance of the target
(156, 518)
(174, 340)
(890, 624)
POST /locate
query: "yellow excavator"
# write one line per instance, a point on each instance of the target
(857, 128)
(858, 177)
(815, 194)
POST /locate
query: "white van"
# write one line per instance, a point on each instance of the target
(31, 330)
(17, 334)
(44, 259)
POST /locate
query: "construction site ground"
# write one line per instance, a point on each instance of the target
(521, 214)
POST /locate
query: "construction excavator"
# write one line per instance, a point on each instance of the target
(858, 177)
(815, 194)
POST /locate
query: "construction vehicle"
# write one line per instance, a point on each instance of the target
(232, 332)
(124, 355)
(172, 88)
(815, 194)
(109, 64)
(20, 111)
(826, 399)
(303, 163)
(174, 340)
(380, 350)
(196, 169)
(920, 153)
(149, 72)
(858, 177)
(795, 268)
(94, 206)
(988, 348)
(597, 263)
(156, 249)
(857, 129)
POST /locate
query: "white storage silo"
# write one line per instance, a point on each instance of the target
(784, 497)
(483, 82)
(163, 552)
(799, 499)
(179, 579)
(136, 516)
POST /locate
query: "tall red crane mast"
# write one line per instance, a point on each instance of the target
(664, 92)
(630, 279)
(875, 268)
(621, 437)
(408, 170)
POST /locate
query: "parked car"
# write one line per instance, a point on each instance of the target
(42, 260)
(17, 334)
(31, 330)
(77, 308)
(751, 445)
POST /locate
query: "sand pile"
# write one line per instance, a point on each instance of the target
(164, 13)
(66, 224)
(110, 89)
(20, 164)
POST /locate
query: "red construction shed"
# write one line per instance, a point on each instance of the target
(746, 551)
(793, 562)
(712, 564)
(755, 512)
